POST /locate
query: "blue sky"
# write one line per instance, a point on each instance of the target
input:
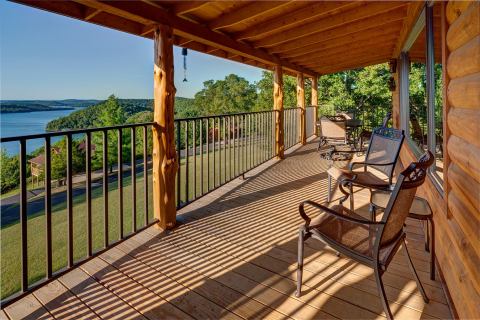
(48, 56)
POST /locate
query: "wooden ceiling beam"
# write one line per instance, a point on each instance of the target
(363, 11)
(413, 11)
(311, 11)
(359, 37)
(143, 12)
(246, 12)
(377, 21)
(183, 7)
(90, 13)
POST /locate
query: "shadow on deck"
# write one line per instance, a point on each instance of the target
(233, 255)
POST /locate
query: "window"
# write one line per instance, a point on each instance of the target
(422, 105)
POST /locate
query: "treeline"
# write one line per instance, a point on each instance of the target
(11, 106)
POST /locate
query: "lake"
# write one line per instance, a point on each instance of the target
(16, 124)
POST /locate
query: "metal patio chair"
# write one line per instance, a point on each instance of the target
(333, 130)
(378, 166)
(371, 243)
(366, 135)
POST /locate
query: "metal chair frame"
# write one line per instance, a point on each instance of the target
(412, 177)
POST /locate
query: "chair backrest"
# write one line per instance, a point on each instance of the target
(384, 147)
(386, 119)
(334, 127)
(400, 201)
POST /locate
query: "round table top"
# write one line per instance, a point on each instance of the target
(354, 123)
(419, 206)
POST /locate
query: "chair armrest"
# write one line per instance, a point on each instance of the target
(352, 164)
(307, 219)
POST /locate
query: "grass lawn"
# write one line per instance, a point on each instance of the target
(223, 162)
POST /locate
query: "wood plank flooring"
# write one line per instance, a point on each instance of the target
(233, 256)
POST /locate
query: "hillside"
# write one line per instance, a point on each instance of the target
(11, 106)
(85, 118)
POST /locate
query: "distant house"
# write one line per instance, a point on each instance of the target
(37, 166)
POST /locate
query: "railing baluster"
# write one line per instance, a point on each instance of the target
(219, 153)
(133, 174)
(214, 146)
(225, 148)
(69, 200)
(145, 172)
(179, 156)
(88, 190)
(120, 182)
(186, 162)
(23, 213)
(207, 132)
(201, 156)
(105, 188)
(244, 134)
(48, 206)
(194, 128)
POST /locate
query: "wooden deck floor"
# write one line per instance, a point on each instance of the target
(233, 256)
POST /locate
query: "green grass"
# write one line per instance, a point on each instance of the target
(10, 235)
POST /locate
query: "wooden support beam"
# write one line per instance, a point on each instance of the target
(183, 7)
(165, 162)
(413, 11)
(314, 101)
(301, 105)
(90, 13)
(246, 12)
(279, 114)
(147, 14)
(366, 10)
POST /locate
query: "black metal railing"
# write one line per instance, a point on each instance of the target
(212, 151)
(75, 149)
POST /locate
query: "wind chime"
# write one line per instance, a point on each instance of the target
(184, 54)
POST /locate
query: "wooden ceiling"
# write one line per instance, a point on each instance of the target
(303, 36)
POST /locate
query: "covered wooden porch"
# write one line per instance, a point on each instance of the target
(233, 256)
(232, 253)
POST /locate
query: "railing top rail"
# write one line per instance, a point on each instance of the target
(71, 132)
(224, 115)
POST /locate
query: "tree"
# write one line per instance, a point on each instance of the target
(59, 159)
(231, 95)
(111, 114)
(10, 171)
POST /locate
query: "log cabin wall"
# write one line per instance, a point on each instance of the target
(456, 212)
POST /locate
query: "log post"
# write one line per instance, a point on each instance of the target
(165, 163)
(301, 105)
(278, 107)
(314, 102)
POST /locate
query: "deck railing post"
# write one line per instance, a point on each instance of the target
(279, 114)
(314, 102)
(165, 163)
(301, 105)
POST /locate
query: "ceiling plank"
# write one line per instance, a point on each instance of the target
(413, 11)
(377, 21)
(183, 7)
(312, 10)
(347, 48)
(362, 36)
(365, 10)
(348, 66)
(246, 12)
(355, 54)
(140, 11)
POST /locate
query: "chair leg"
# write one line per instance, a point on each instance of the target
(329, 196)
(372, 212)
(383, 295)
(351, 197)
(414, 272)
(426, 235)
(432, 250)
(301, 235)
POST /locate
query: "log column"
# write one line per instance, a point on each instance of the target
(278, 107)
(301, 105)
(165, 163)
(314, 102)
